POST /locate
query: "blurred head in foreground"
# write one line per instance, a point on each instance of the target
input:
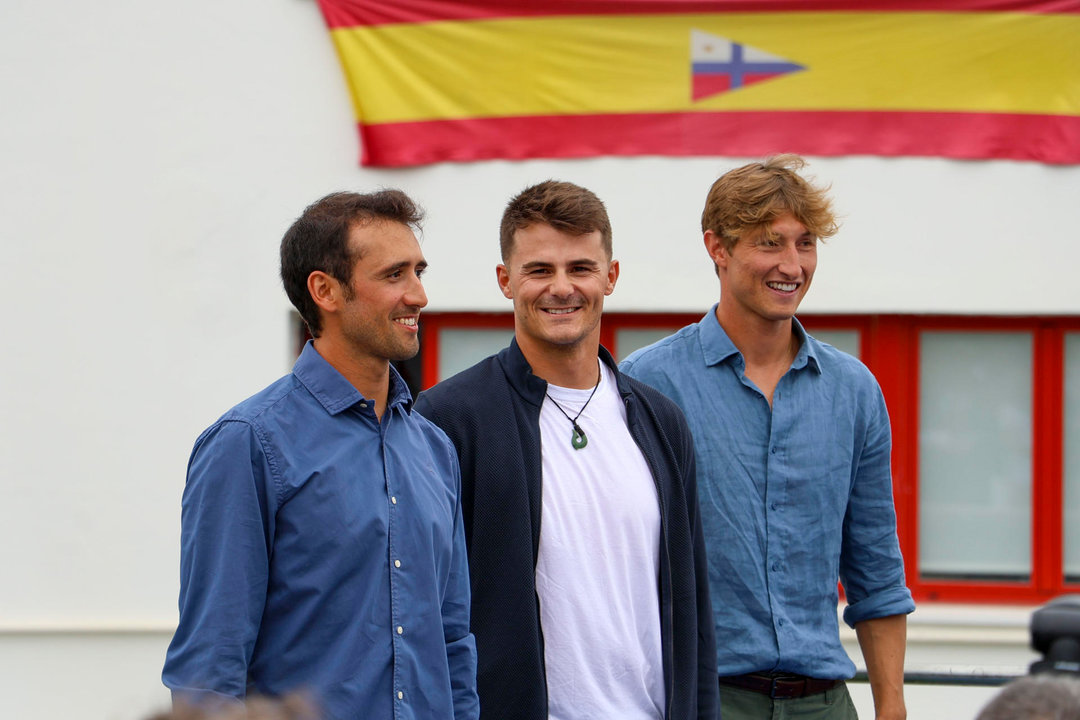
(292, 707)
(1036, 697)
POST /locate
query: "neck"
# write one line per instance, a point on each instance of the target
(761, 341)
(369, 375)
(572, 366)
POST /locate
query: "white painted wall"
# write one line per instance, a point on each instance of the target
(152, 154)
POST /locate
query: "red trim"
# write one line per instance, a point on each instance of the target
(1041, 138)
(429, 352)
(348, 13)
(978, 592)
(1047, 449)
(607, 337)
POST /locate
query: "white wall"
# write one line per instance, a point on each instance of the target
(152, 154)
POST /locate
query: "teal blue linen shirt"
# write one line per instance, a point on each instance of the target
(323, 550)
(792, 498)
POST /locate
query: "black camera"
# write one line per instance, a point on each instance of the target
(1055, 633)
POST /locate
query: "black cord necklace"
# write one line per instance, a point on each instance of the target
(577, 437)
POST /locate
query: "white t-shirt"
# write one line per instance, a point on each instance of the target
(597, 572)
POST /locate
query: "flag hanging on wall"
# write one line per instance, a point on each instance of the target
(463, 80)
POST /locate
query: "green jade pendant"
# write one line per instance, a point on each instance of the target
(577, 438)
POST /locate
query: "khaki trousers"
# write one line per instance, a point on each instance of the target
(740, 704)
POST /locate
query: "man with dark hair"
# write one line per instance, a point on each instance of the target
(322, 544)
(793, 446)
(590, 598)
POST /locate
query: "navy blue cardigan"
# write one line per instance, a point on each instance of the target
(492, 414)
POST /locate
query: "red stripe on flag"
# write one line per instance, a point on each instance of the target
(1042, 138)
(348, 13)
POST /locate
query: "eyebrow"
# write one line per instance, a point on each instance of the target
(403, 265)
(543, 264)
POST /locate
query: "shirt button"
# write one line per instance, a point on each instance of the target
(397, 563)
(776, 567)
(393, 500)
(773, 506)
(772, 450)
(363, 405)
(780, 622)
(400, 695)
(400, 629)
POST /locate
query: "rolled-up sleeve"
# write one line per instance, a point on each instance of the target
(224, 565)
(871, 566)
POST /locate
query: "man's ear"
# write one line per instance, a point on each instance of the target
(612, 276)
(325, 290)
(717, 249)
(503, 276)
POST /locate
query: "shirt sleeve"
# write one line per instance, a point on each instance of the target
(224, 565)
(871, 567)
(460, 644)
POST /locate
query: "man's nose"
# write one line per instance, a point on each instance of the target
(416, 296)
(560, 284)
(789, 261)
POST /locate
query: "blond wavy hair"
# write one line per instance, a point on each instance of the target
(748, 199)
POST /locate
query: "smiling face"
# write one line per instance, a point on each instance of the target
(381, 304)
(558, 283)
(765, 275)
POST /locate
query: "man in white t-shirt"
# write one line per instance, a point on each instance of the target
(589, 586)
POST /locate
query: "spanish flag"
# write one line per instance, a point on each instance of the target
(463, 80)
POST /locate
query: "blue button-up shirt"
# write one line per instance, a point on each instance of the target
(792, 498)
(324, 550)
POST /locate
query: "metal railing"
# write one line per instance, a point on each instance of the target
(970, 678)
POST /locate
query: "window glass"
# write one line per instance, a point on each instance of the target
(975, 454)
(1072, 456)
(844, 340)
(461, 348)
(627, 340)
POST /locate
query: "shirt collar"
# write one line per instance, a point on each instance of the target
(333, 391)
(715, 344)
(808, 349)
(717, 347)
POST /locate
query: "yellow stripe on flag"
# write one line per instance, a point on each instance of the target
(965, 62)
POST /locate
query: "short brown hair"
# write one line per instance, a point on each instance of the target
(567, 207)
(749, 198)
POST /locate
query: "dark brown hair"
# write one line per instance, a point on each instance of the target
(319, 240)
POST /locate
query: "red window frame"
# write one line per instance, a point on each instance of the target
(894, 358)
(889, 345)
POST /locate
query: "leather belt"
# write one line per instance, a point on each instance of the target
(780, 687)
